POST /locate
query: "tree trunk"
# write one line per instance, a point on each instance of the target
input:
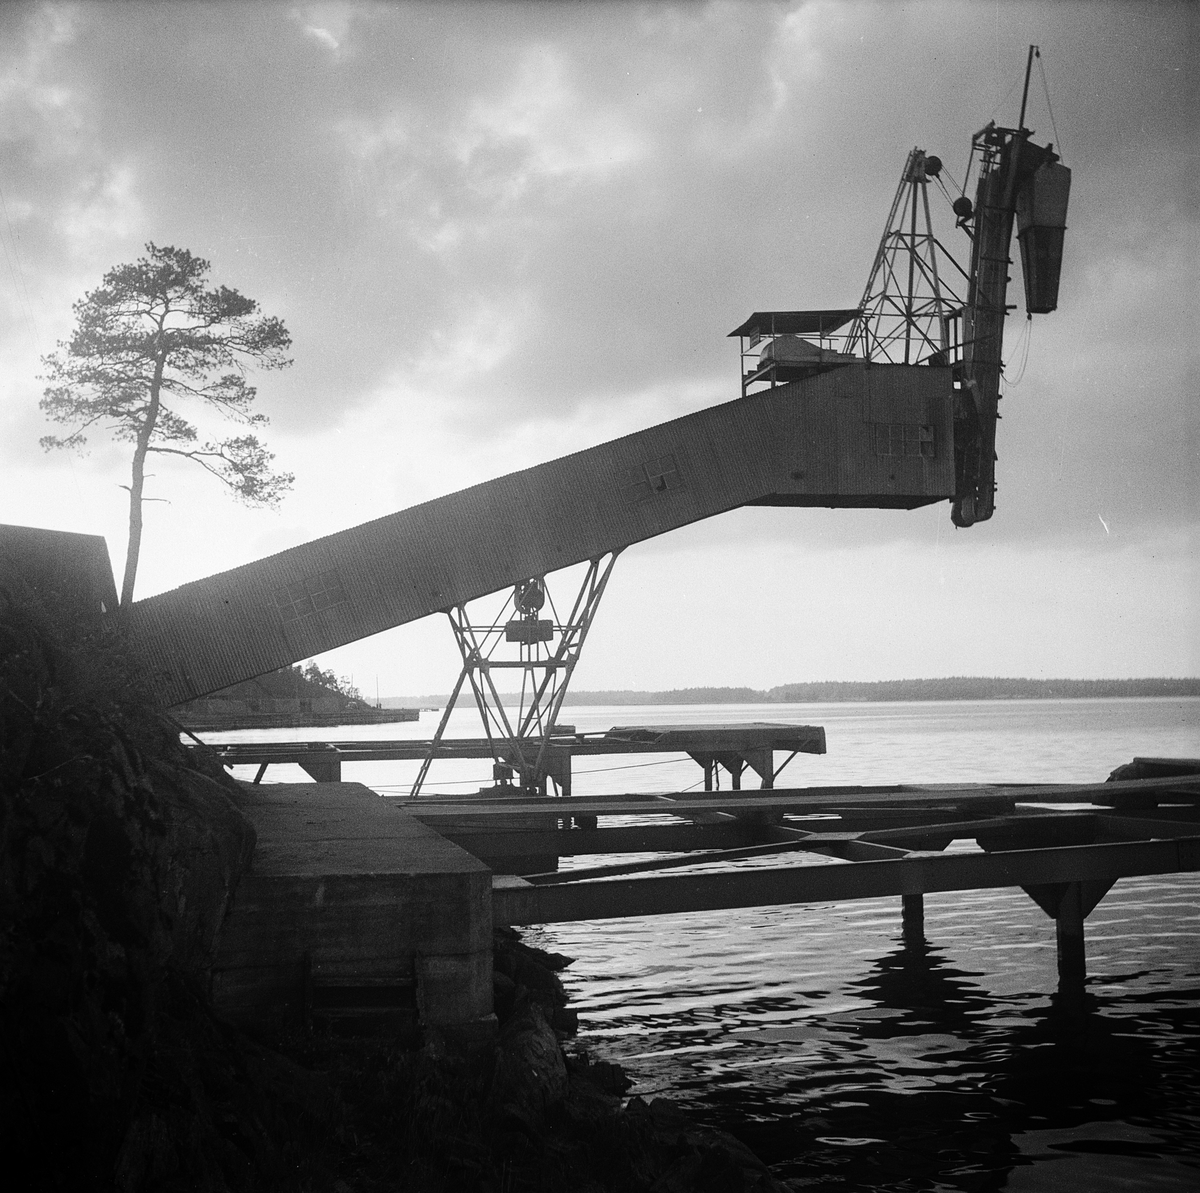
(133, 550)
(137, 482)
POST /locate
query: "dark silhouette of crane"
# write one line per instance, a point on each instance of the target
(891, 404)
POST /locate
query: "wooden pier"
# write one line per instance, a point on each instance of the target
(353, 895)
(734, 748)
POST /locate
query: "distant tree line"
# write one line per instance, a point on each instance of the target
(305, 682)
(833, 691)
(962, 687)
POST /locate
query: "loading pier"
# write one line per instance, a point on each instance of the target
(732, 748)
(892, 404)
(359, 903)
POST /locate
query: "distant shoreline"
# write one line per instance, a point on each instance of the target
(839, 691)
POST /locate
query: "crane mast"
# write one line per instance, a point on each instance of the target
(911, 311)
(1018, 182)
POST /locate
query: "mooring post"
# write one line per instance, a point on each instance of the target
(1072, 967)
(912, 918)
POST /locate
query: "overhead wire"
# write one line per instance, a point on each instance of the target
(1049, 105)
(943, 174)
(598, 770)
(1022, 349)
(946, 193)
(1016, 83)
(970, 166)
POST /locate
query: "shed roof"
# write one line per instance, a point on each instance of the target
(75, 566)
(794, 322)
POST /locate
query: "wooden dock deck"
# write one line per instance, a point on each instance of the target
(732, 747)
(358, 901)
(1064, 845)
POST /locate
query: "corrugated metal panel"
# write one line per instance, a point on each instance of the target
(765, 323)
(843, 452)
(809, 443)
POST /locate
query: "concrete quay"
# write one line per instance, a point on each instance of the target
(353, 907)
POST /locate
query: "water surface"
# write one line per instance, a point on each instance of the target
(851, 1062)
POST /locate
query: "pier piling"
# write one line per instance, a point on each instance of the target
(1072, 966)
(912, 918)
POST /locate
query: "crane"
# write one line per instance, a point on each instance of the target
(891, 404)
(1017, 179)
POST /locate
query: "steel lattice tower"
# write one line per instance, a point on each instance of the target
(909, 312)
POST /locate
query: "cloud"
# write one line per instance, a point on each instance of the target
(321, 36)
(502, 232)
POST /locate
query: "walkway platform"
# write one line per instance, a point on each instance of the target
(352, 905)
(360, 903)
(1064, 845)
(733, 747)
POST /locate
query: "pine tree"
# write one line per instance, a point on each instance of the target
(150, 338)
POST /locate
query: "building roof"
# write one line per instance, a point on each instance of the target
(76, 567)
(765, 323)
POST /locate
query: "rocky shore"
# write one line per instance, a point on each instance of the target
(532, 1112)
(120, 853)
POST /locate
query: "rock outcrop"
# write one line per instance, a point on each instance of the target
(119, 855)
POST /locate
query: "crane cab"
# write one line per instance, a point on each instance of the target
(850, 432)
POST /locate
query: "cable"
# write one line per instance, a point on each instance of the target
(1009, 92)
(1023, 350)
(970, 166)
(406, 786)
(1049, 105)
(941, 181)
(599, 770)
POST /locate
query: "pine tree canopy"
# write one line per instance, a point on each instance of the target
(152, 337)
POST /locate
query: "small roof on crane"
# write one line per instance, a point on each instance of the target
(798, 323)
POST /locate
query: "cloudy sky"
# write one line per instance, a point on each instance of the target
(499, 233)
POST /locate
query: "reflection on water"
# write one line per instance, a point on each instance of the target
(851, 1062)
